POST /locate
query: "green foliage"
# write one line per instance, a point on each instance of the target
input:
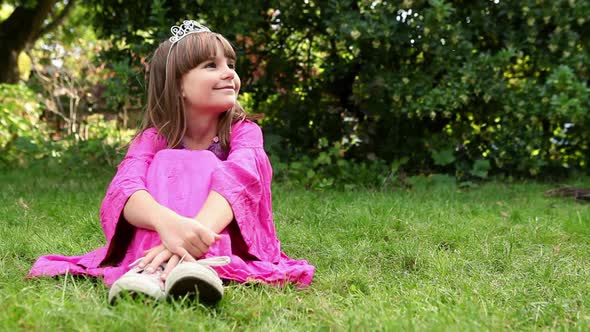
(481, 168)
(25, 140)
(470, 89)
(443, 157)
(21, 129)
(328, 169)
(466, 88)
(5, 11)
(63, 118)
(100, 151)
(91, 155)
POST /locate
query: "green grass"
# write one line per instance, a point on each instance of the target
(499, 257)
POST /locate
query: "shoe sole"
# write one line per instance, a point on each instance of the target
(133, 285)
(195, 281)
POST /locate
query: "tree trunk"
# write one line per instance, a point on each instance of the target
(20, 30)
(8, 64)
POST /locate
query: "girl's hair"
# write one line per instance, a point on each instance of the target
(165, 107)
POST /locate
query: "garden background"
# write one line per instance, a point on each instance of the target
(448, 119)
(353, 92)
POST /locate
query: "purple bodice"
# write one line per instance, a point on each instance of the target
(215, 147)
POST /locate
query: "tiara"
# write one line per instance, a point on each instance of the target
(180, 31)
(186, 28)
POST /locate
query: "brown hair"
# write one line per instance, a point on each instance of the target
(165, 107)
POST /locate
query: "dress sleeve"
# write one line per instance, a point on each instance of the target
(244, 179)
(130, 177)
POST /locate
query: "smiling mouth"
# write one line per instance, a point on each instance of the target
(229, 87)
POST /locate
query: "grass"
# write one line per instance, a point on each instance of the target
(498, 257)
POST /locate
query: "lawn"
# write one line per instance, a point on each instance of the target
(433, 257)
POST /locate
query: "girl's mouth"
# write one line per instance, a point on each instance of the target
(226, 87)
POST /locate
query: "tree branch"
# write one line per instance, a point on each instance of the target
(56, 21)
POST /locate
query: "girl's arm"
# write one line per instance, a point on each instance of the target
(142, 211)
(216, 213)
(128, 201)
(244, 181)
(240, 190)
(183, 236)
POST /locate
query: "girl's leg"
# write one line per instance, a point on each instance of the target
(180, 179)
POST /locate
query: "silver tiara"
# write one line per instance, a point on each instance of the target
(186, 28)
(180, 31)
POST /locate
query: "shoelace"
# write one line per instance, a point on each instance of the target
(211, 261)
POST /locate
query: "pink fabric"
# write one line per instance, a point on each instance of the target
(181, 180)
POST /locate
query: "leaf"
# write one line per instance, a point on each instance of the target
(443, 157)
(481, 168)
(21, 202)
(396, 164)
(467, 185)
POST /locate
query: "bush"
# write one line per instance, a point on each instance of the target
(25, 141)
(470, 88)
(21, 129)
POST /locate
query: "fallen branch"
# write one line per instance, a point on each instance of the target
(579, 194)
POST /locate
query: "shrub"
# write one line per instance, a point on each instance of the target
(21, 129)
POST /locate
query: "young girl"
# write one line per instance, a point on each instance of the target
(191, 201)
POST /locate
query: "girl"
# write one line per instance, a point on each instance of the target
(191, 201)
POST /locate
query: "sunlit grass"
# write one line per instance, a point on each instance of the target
(498, 257)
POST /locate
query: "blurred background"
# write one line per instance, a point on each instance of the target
(354, 93)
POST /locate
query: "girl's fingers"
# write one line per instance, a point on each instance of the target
(149, 257)
(200, 248)
(162, 257)
(158, 247)
(172, 262)
(209, 237)
(186, 256)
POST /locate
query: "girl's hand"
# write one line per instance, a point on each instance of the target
(157, 256)
(186, 237)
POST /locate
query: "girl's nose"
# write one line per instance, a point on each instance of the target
(228, 73)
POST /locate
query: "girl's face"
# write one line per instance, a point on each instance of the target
(212, 86)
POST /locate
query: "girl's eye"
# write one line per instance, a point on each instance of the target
(231, 65)
(210, 65)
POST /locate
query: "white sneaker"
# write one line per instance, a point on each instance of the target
(137, 281)
(197, 279)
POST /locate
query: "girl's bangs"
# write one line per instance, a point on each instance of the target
(199, 47)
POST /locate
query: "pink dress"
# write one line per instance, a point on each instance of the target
(181, 180)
